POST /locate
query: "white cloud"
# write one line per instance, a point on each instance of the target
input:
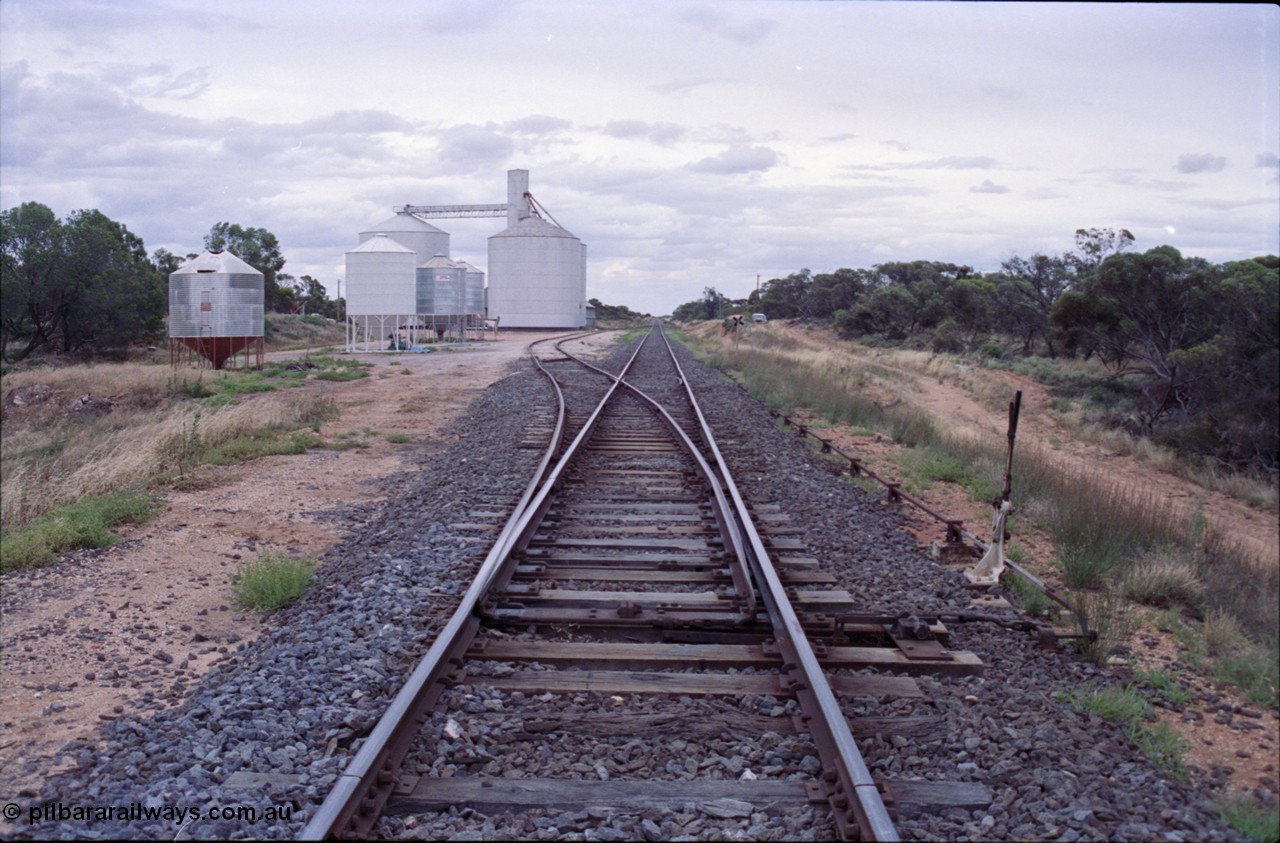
(475, 148)
(454, 17)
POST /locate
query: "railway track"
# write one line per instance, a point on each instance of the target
(633, 597)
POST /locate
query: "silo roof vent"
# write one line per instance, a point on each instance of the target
(223, 262)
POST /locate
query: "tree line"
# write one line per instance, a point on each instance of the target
(85, 283)
(616, 313)
(1190, 349)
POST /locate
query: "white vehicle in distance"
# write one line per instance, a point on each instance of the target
(759, 318)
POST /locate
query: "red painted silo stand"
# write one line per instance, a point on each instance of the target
(215, 311)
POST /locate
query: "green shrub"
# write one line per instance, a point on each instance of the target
(1105, 614)
(947, 338)
(1252, 819)
(315, 411)
(1128, 709)
(1110, 541)
(1240, 585)
(345, 374)
(213, 402)
(347, 443)
(830, 392)
(1122, 706)
(921, 466)
(1221, 633)
(399, 438)
(1164, 684)
(272, 581)
(244, 386)
(1032, 600)
(192, 389)
(87, 523)
(330, 362)
(1164, 746)
(283, 372)
(1253, 670)
(1098, 528)
(263, 442)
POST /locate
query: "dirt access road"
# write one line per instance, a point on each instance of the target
(105, 633)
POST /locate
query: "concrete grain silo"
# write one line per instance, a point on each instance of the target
(381, 292)
(216, 306)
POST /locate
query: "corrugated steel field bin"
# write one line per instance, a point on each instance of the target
(216, 295)
(473, 298)
(441, 287)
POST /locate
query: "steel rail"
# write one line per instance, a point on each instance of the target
(744, 590)
(531, 518)
(853, 795)
(363, 788)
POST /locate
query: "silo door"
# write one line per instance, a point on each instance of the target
(206, 313)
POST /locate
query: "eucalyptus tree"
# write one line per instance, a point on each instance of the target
(260, 249)
(1029, 289)
(68, 285)
(30, 246)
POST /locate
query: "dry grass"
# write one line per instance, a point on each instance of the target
(47, 465)
(140, 383)
(141, 427)
(1115, 543)
(1163, 579)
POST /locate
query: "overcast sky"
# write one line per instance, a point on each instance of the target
(689, 144)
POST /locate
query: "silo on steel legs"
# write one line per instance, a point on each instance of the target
(381, 311)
